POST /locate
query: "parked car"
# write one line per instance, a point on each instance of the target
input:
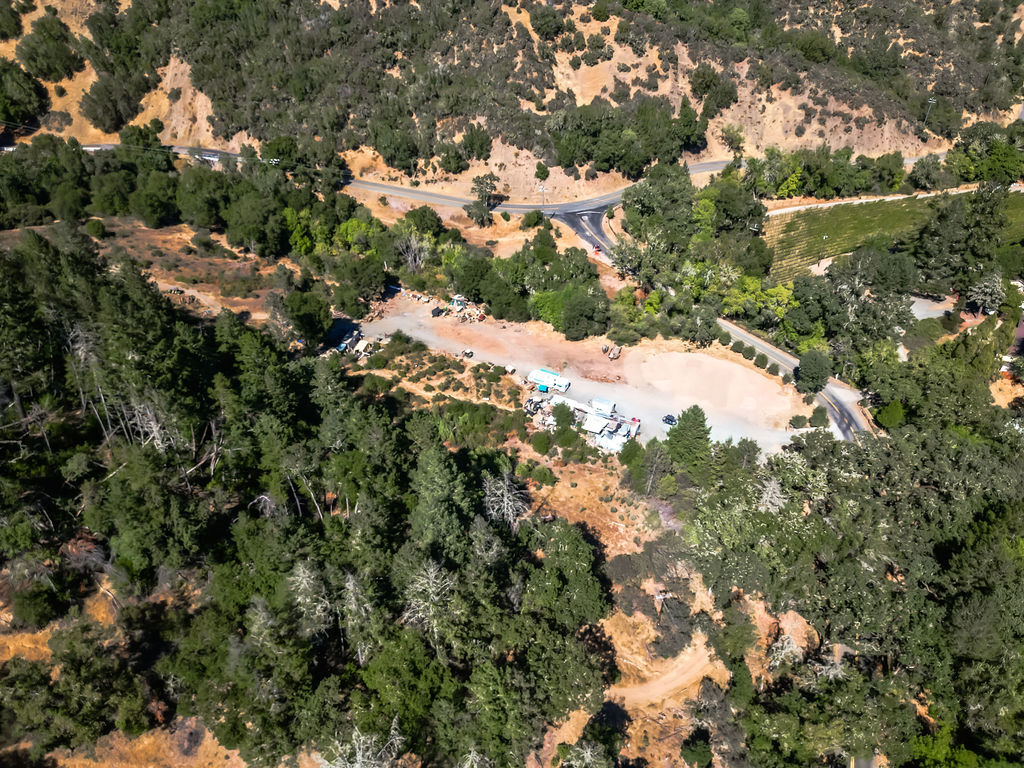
(669, 419)
(467, 353)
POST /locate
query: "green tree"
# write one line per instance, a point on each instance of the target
(813, 372)
(480, 209)
(309, 314)
(155, 201)
(10, 21)
(22, 98)
(47, 51)
(689, 442)
(476, 143)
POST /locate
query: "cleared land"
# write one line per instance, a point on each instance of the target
(649, 380)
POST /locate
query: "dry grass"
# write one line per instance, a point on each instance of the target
(1005, 391)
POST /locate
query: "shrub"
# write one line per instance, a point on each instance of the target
(773, 369)
(543, 475)
(532, 219)
(761, 361)
(748, 353)
(724, 338)
(541, 442)
(95, 228)
(798, 422)
(738, 347)
(819, 418)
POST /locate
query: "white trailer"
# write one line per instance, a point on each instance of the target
(545, 380)
(603, 407)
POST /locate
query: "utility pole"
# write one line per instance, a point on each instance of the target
(542, 202)
(931, 103)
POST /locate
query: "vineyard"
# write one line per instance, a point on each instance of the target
(803, 238)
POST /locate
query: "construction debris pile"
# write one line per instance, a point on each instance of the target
(601, 425)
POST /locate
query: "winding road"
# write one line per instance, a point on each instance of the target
(585, 218)
(839, 399)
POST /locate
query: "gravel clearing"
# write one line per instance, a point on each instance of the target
(648, 381)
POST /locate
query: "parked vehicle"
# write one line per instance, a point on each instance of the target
(467, 353)
(669, 419)
(542, 377)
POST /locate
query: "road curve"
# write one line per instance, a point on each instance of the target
(585, 217)
(590, 205)
(838, 399)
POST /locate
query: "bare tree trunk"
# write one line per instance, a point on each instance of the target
(18, 407)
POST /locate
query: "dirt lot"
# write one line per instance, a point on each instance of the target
(649, 380)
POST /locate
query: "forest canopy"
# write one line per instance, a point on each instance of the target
(340, 590)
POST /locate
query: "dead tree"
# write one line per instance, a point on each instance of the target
(311, 601)
(586, 754)
(505, 499)
(428, 600)
(474, 759)
(357, 611)
(413, 249)
(772, 498)
(364, 750)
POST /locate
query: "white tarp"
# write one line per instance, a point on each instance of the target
(594, 423)
(611, 443)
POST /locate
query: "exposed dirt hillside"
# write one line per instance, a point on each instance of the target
(773, 117)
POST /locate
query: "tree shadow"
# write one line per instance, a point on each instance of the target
(600, 647)
(23, 758)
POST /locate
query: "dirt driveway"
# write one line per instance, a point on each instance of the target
(650, 380)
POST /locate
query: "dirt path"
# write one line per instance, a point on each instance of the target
(678, 677)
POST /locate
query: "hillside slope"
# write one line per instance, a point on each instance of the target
(597, 89)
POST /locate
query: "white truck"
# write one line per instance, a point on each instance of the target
(547, 380)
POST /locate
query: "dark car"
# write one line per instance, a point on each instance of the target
(669, 419)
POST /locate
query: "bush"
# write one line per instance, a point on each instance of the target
(724, 338)
(738, 347)
(761, 361)
(95, 228)
(798, 422)
(773, 369)
(749, 352)
(532, 219)
(543, 475)
(819, 418)
(541, 442)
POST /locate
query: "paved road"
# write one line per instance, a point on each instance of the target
(838, 399)
(585, 217)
